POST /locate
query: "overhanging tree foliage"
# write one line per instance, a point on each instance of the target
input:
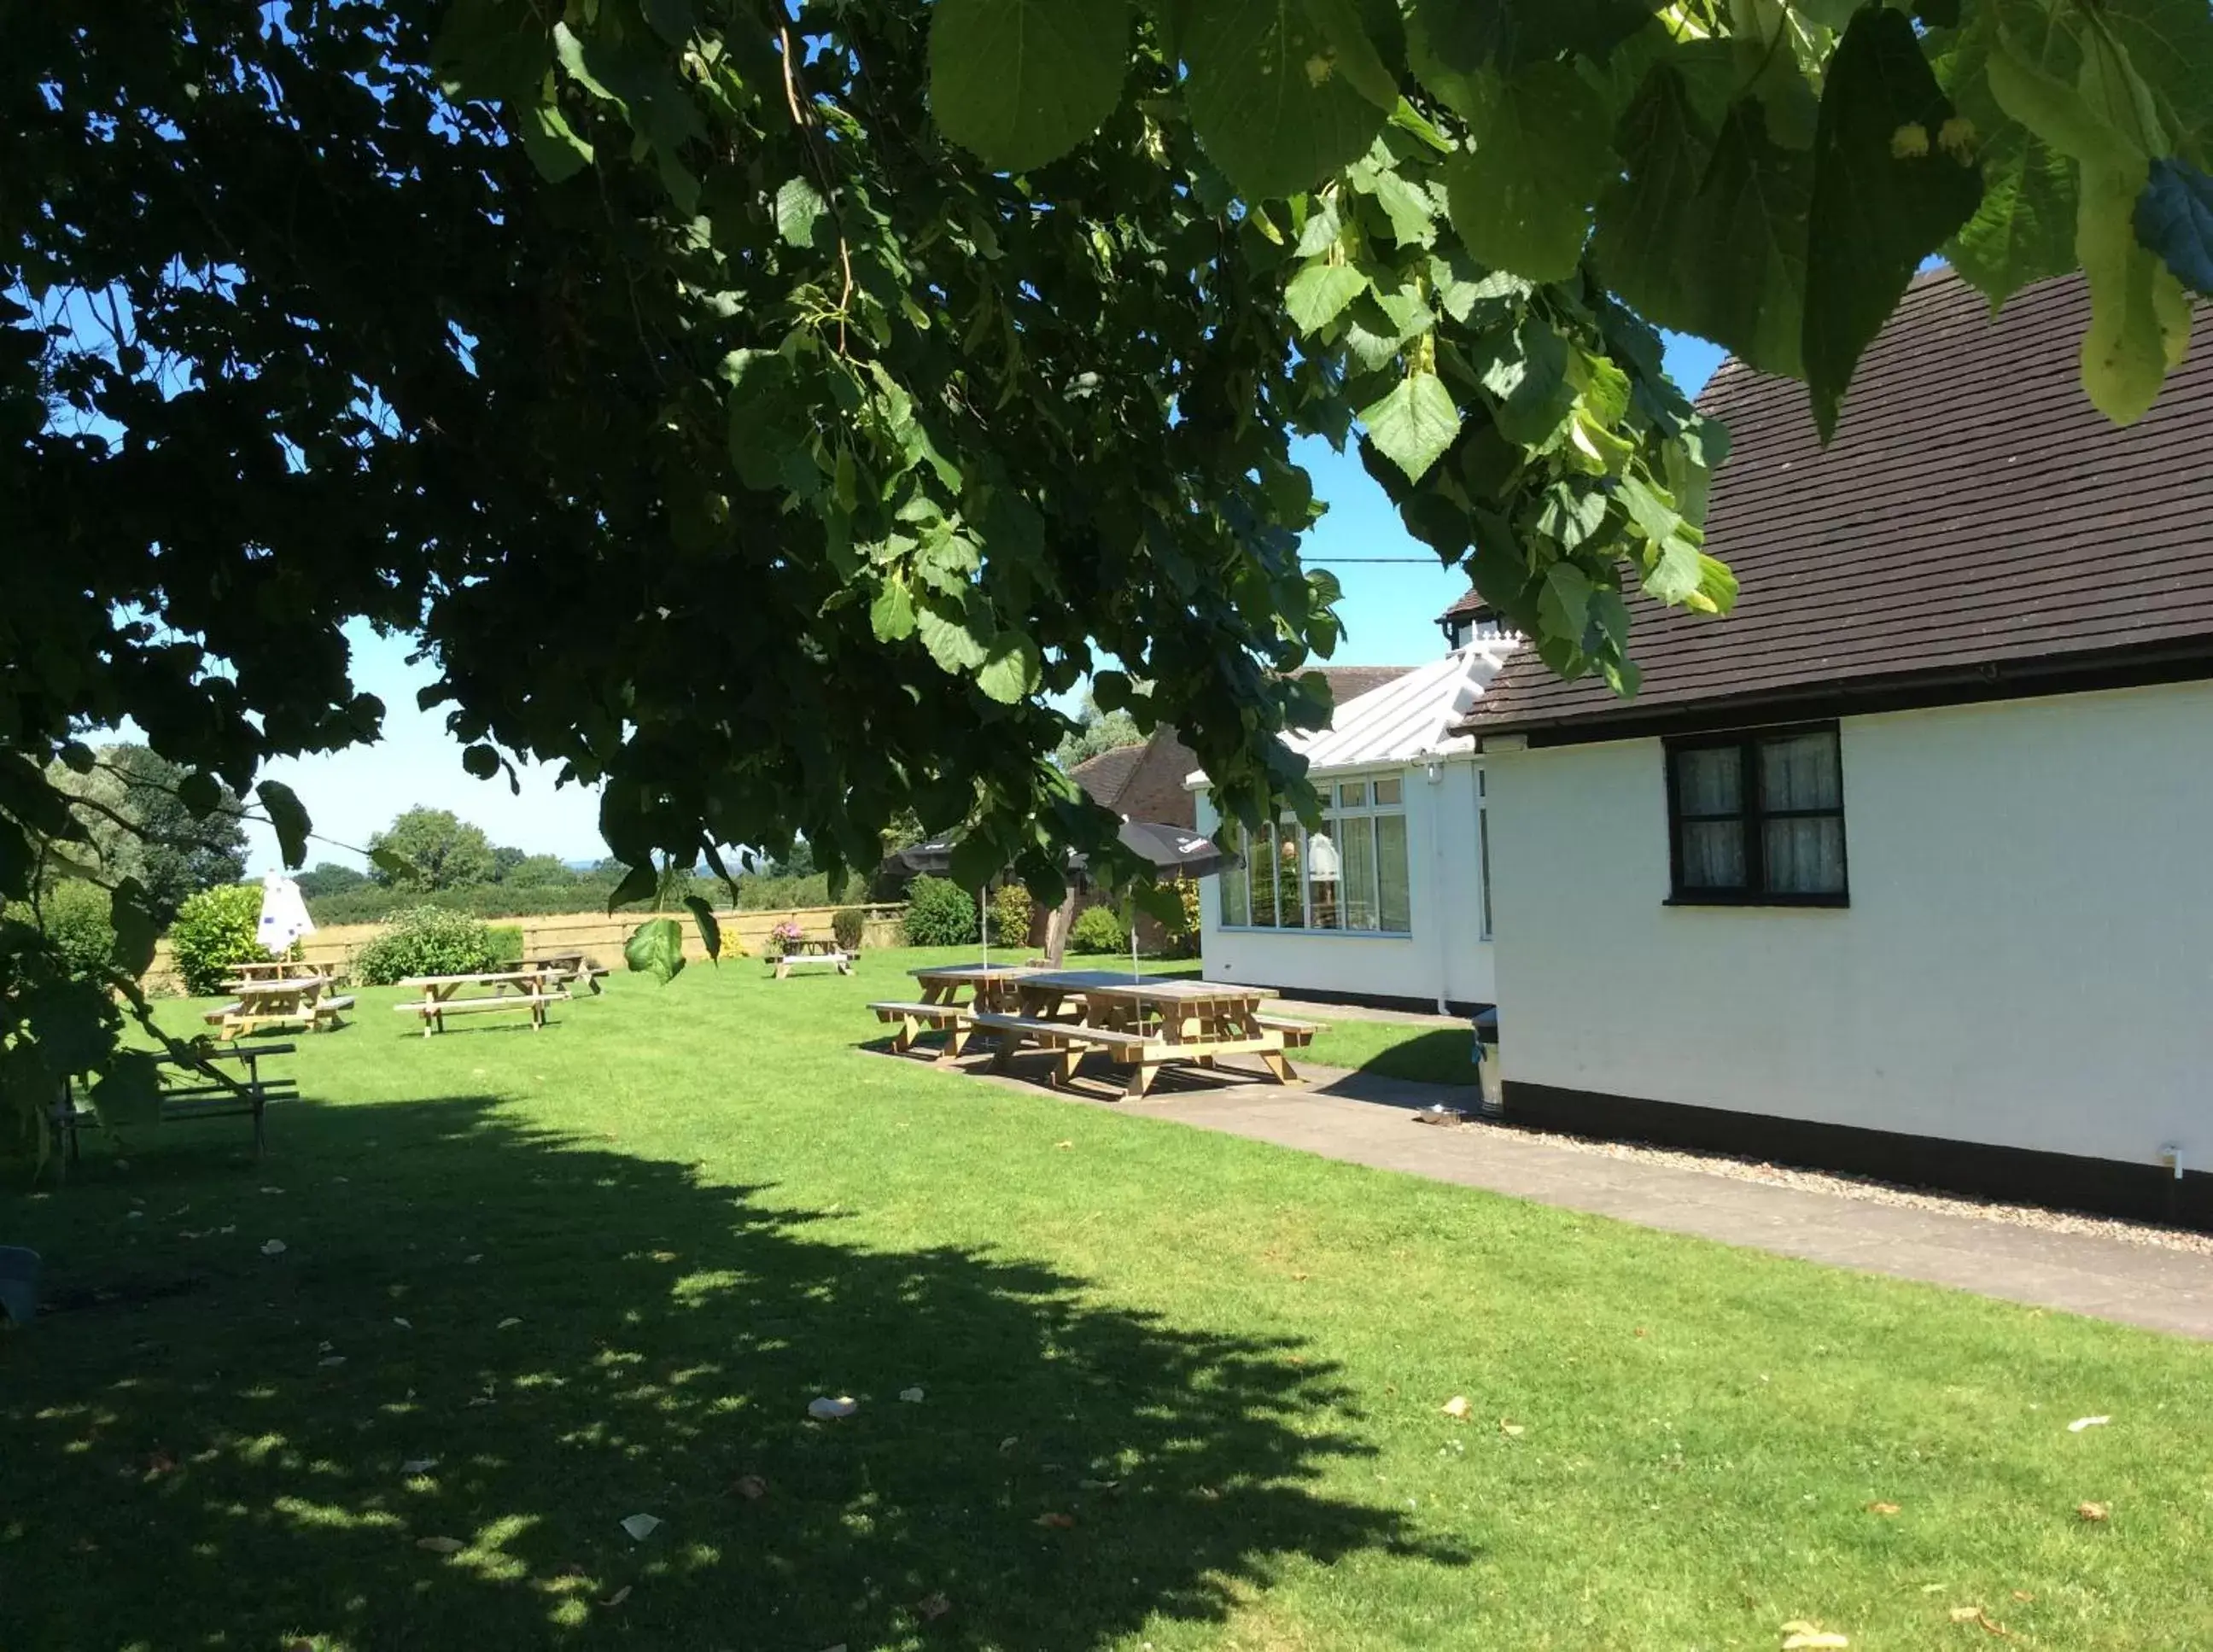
(760, 415)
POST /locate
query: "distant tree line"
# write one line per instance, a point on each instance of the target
(432, 856)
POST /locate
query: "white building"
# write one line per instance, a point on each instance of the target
(1904, 868)
(1389, 900)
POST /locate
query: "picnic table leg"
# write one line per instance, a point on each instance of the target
(1141, 1080)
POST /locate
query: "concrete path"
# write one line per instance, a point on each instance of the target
(1368, 1120)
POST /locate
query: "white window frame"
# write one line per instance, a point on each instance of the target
(1332, 813)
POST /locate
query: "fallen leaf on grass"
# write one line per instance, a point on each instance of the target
(1009, 1442)
(931, 1607)
(1799, 1636)
(1965, 1614)
(831, 1410)
(272, 1248)
(617, 1597)
(2092, 1511)
(418, 1465)
(1882, 1508)
(1456, 1407)
(333, 1359)
(641, 1527)
(471, 1259)
(1510, 1430)
(2082, 1422)
(441, 1545)
(2023, 1595)
(1057, 1522)
(1097, 1485)
(1063, 1144)
(404, 1325)
(751, 1487)
(508, 1323)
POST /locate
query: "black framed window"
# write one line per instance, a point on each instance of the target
(1758, 818)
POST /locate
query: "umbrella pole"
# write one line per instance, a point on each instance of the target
(983, 925)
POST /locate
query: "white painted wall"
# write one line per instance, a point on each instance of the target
(2027, 959)
(1446, 956)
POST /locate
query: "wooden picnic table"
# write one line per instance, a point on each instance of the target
(302, 1002)
(279, 969)
(942, 1009)
(1144, 1024)
(812, 949)
(561, 967)
(533, 989)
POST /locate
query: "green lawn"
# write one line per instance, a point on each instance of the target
(1179, 1390)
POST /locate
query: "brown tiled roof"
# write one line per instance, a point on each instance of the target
(1470, 602)
(1976, 523)
(1103, 777)
(1349, 682)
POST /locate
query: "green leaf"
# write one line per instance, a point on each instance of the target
(1353, 52)
(799, 208)
(489, 49)
(2174, 220)
(1521, 198)
(128, 1092)
(132, 921)
(391, 861)
(1675, 571)
(285, 815)
(1414, 424)
(1708, 236)
(547, 139)
(639, 882)
(710, 928)
(1563, 606)
(944, 631)
(2125, 353)
(1320, 292)
(1020, 82)
(2024, 229)
(891, 616)
(1267, 99)
(655, 948)
(1886, 194)
(1412, 214)
(1011, 669)
(1448, 40)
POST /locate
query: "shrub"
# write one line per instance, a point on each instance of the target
(846, 924)
(506, 940)
(1097, 929)
(1184, 935)
(939, 914)
(1010, 915)
(427, 941)
(215, 930)
(74, 916)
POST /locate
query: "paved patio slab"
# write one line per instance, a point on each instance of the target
(1365, 1119)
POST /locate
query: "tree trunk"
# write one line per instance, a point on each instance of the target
(1056, 929)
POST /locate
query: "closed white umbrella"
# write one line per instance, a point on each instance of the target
(283, 914)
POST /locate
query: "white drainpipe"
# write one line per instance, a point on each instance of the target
(1436, 777)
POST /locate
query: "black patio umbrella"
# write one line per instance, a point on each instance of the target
(1179, 849)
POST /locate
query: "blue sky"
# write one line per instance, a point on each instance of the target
(1390, 610)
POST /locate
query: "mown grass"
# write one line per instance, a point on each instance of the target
(1177, 1389)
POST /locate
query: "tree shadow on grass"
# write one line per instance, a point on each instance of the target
(1441, 1057)
(576, 1336)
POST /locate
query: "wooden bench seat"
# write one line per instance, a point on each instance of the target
(1296, 1034)
(235, 1018)
(914, 1018)
(1066, 1041)
(433, 1012)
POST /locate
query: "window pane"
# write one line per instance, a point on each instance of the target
(1236, 885)
(1710, 780)
(1388, 791)
(1353, 794)
(1394, 908)
(1290, 880)
(1801, 772)
(1357, 847)
(1260, 867)
(1805, 856)
(1713, 854)
(1325, 878)
(1483, 854)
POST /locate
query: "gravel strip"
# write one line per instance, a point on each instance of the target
(1869, 1189)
